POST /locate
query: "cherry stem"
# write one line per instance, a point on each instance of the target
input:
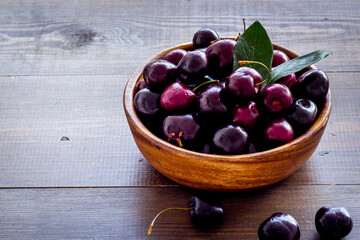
(244, 23)
(170, 136)
(256, 62)
(204, 83)
(167, 209)
(178, 140)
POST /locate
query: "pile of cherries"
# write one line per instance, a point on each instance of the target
(195, 100)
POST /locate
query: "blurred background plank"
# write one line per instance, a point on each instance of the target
(114, 37)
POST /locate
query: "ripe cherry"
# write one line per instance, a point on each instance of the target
(246, 115)
(204, 212)
(175, 56)
(193, 67)
(278, 132)
(177, 96)
(303, 112)
(142, 84)
(279, 57)
(289, 80)
(313, 84)
(220, 57)
(279, 226)
(333, 222)
(147, 102)
(277, 97)
(209, 101)
(180, 128)
(159, 74)
(204, 37)
(244, 82)
(230, 139)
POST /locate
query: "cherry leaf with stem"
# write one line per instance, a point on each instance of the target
(296, 64)
(254, 45)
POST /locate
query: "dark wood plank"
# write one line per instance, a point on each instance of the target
(36, 112)
(125, 213)
(96, 37)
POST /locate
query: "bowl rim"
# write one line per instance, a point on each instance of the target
(130, 90)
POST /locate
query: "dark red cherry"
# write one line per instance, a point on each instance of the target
(147, 102)
(277, 97)
(177, 96)
(205, 212)
(193, 67)
(313, 84)
(220, 57)
(279, 57)
(175, 56)
(246, 115)
(289, 80)
(203, 37)
(209, 101)
(141, 85)
(180, 127)
(159, 74)
(279, 226)
(333, 222)
(278, 132)
(242, 82)
(303, 112)
(230, 139)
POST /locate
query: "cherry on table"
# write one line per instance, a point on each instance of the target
(333, 222)
(279, 226)
(204, 212)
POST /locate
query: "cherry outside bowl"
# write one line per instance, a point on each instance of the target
(222, 172)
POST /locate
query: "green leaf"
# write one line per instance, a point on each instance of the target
(254, 45)
(296, 64)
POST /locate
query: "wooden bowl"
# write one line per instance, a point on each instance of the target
(222, 172)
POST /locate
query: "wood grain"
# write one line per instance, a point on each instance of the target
(36, 112)
(114, 37)
(125, 213)
(69, 168)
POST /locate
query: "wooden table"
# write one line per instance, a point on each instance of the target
(69, 167)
